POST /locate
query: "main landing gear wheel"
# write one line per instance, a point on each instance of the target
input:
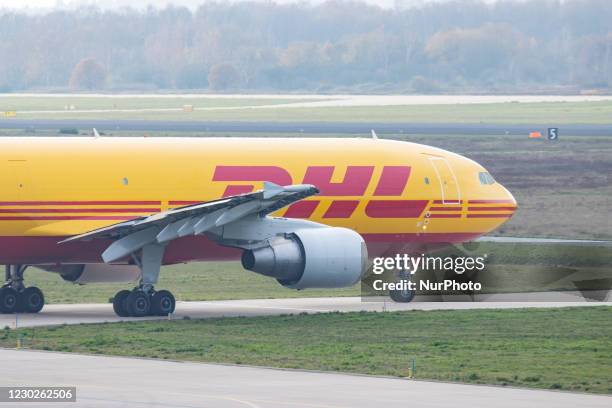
(402, 295)
(162, 303)
(144, 300)
(15, 297)
(31, 300)
(138, 303)
(9, 300)
(119, 305)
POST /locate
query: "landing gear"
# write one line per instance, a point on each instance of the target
(119, 305)
(144, 300)
(138, 303)
(15, 297)
(32, 300)
(9, 300)
(403, 295)
(162, 303)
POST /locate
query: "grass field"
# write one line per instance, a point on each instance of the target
(516, 268)
(244, 109)
(196, 281)
(565, 349)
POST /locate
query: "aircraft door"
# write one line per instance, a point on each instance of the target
(449, 185)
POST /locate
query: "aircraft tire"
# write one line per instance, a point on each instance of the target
(9, 300)
(402, 296)
(31, 300)
(138, 303)
(162, 303)
(119, 303)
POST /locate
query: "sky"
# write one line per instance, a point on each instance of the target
(42, 5)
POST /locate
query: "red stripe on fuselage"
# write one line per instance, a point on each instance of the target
(69, 218)
(443, 237)
(392, 181)
(445, 209)
(491, 202)
(18, 203)
(40, 250)
(273, 174)
(77, 210)
(395, 208)
(183, 202)
(491, 208)
(489, 215)
(341, 209)
(355, 182)
(448, 202)
(301, 209)
(444, 216)
(237, 190)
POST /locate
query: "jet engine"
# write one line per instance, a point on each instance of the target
(311, 258)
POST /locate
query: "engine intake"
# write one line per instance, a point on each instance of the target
(311, 258)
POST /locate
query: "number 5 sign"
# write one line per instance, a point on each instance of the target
(553, 133)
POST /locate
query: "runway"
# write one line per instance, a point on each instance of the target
(304, 127)
(126, 382)
(99, 313)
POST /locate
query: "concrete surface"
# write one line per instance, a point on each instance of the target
(123, 382)
(96, 313)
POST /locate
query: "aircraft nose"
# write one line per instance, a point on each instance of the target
(508, 201)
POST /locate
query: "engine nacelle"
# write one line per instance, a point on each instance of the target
(96, 273)
(311, 258)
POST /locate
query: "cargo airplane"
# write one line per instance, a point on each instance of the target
(308, 212)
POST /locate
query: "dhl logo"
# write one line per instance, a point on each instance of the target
(391, 183)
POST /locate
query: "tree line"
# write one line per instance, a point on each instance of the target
(337, 46)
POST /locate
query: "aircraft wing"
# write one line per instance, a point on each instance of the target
(193, 219)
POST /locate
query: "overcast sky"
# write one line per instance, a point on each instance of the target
(41, 5)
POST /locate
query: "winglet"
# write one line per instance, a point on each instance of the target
(271, 189)
(374, 135)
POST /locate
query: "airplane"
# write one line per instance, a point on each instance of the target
(308, 212)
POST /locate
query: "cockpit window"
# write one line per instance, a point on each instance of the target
(486, 178)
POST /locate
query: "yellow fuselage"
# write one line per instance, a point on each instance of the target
(393, 193)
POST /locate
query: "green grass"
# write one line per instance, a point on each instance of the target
(510, 268)
(566, 349)
(196, 281)
(557, 113)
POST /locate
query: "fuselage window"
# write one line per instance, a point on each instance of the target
(426, 180)
(486, 178)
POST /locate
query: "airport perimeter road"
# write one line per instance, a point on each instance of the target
(98, 313)
(123, 382)
(303, 127)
